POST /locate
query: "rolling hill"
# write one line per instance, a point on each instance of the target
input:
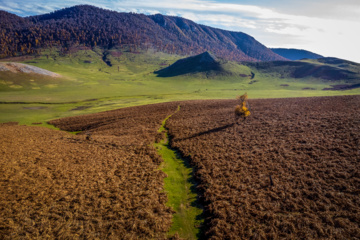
(325, 69)
(205, 65)
(90, 26)
(330, 69)
(205, 62)
(295, 54)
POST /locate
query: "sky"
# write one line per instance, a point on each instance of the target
(327, 27)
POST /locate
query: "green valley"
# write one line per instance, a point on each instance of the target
(94, 80)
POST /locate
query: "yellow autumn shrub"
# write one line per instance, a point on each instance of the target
(242, 110)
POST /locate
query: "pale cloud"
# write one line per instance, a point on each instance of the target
(11, 9)
(329, 37)
(230, 21)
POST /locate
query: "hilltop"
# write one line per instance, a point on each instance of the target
(91, 26)
(295, 54)
(205, 62)
(11, 21)
(206, 65)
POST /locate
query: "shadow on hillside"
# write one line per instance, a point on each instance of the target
(218, 129)
(202, 63)
(188, 68)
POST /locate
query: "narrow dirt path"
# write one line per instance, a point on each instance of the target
(180, 189)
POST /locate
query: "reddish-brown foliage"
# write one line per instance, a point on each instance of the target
(309, 147)
(130, 126)
(91, 26)
(104, 184)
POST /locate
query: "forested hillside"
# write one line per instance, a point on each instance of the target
(90, 26)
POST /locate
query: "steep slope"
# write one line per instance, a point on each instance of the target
(92, 26)
(10, 21)
(234, 44)
(295, 54)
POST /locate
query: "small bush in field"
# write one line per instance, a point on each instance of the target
(242, 110)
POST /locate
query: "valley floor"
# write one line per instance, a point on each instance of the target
(88, 85)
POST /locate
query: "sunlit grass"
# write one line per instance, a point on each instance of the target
(130, 82)
(179, 189)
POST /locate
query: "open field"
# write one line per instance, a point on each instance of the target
(89, 85)
(61, 185)
(57, 185)
(309, 147)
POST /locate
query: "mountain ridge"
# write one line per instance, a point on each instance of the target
(295, 54)
(92, 26)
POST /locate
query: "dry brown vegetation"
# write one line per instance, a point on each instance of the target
(309, 147)
(106, 184)
(56, 185)
(130, 126)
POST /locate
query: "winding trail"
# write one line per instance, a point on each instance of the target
(180, 189)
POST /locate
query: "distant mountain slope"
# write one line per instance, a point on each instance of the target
(332, 69)
(328, 69)
(295, 54)
(92, 26)
(339, 62)
(225, 44)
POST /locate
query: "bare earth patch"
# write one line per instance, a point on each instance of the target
(25, 68)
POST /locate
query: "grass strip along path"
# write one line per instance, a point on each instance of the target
(180, 189)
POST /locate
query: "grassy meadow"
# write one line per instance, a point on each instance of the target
(179, 188)
(90, 85)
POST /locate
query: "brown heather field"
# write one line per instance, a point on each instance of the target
(310, 148)
(55, 185)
